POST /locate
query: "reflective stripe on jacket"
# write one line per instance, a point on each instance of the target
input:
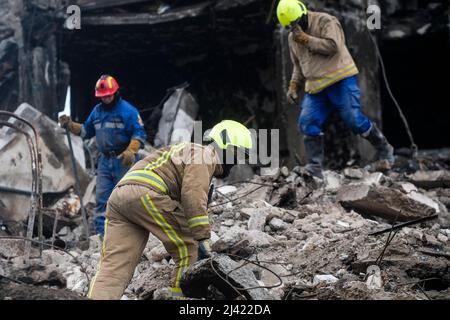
(184, 172)
(325, 60)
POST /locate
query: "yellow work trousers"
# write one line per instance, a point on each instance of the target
(132, 212)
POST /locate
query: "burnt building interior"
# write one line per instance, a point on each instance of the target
(233, 56)
(227, 62)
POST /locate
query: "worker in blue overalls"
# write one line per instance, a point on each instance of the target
(119, 132)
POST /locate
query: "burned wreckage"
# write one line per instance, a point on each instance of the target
(278, 234)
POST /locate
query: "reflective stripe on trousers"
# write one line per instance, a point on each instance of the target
(171, 233)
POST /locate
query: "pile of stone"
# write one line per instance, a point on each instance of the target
(304, 238)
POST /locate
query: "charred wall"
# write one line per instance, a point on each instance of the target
(416, 48)
(226, 56)
(30, 68)
(234, 57)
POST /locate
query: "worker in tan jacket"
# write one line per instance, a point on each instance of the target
(165, 194)
(321, 59)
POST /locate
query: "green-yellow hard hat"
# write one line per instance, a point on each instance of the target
(229, 132)
(290, 10)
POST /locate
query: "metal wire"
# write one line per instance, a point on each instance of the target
(388, 87)
(237, 198)
(247, 261)
(11, 279)
(36, 171)
(226, 280)
(388, 240)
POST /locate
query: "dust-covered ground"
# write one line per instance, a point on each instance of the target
(308, 239)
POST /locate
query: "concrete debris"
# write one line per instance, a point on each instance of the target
(332, 180)
(199, 276)
(374, 178)
(324, 278)
(11, 248)
(57, 175)
(431, 179)
(315, 239)
(277, 224)
(258, 220)
(177, 120)
(414, 194)
(354, 173)
(384, 202)
(374, 281)
(227, 189)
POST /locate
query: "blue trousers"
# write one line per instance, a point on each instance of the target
(343, 96)
(110, 170)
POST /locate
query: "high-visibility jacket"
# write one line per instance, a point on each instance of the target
(325, 59)
(184, 172)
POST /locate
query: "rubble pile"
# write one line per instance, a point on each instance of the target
(288, 236)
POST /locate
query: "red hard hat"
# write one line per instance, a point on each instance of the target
(106, 86)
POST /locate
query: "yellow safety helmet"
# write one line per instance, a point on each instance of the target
(289, 11)
(229, 132)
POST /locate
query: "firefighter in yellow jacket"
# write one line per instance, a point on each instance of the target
(166, 194)
(321, 59)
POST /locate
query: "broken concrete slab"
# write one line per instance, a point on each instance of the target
(383, 202)
(430, 179)
(251, 192)
(15, 163)
(89, 194)
(147, 283)
(226, 189)
(11, 248)
(413, 193)
(258, 220)
(354, 173)
(324, 278)
(258, 238)
(177, 120)
(277, 224)
(13, 291)
(199, 276)
(333, 180)
(374, 178)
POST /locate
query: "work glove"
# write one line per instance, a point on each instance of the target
(210, 193)
(66, 121)
(292, 92)
(204, 249)
(129, 155)
(300, 36)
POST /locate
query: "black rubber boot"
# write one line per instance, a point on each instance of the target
(314, 154)
(384, 150)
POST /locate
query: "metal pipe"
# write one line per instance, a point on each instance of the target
(401, 225)
(77, 184)
(39, 174)
(34, 191)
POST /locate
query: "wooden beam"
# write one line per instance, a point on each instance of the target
(144, 18)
